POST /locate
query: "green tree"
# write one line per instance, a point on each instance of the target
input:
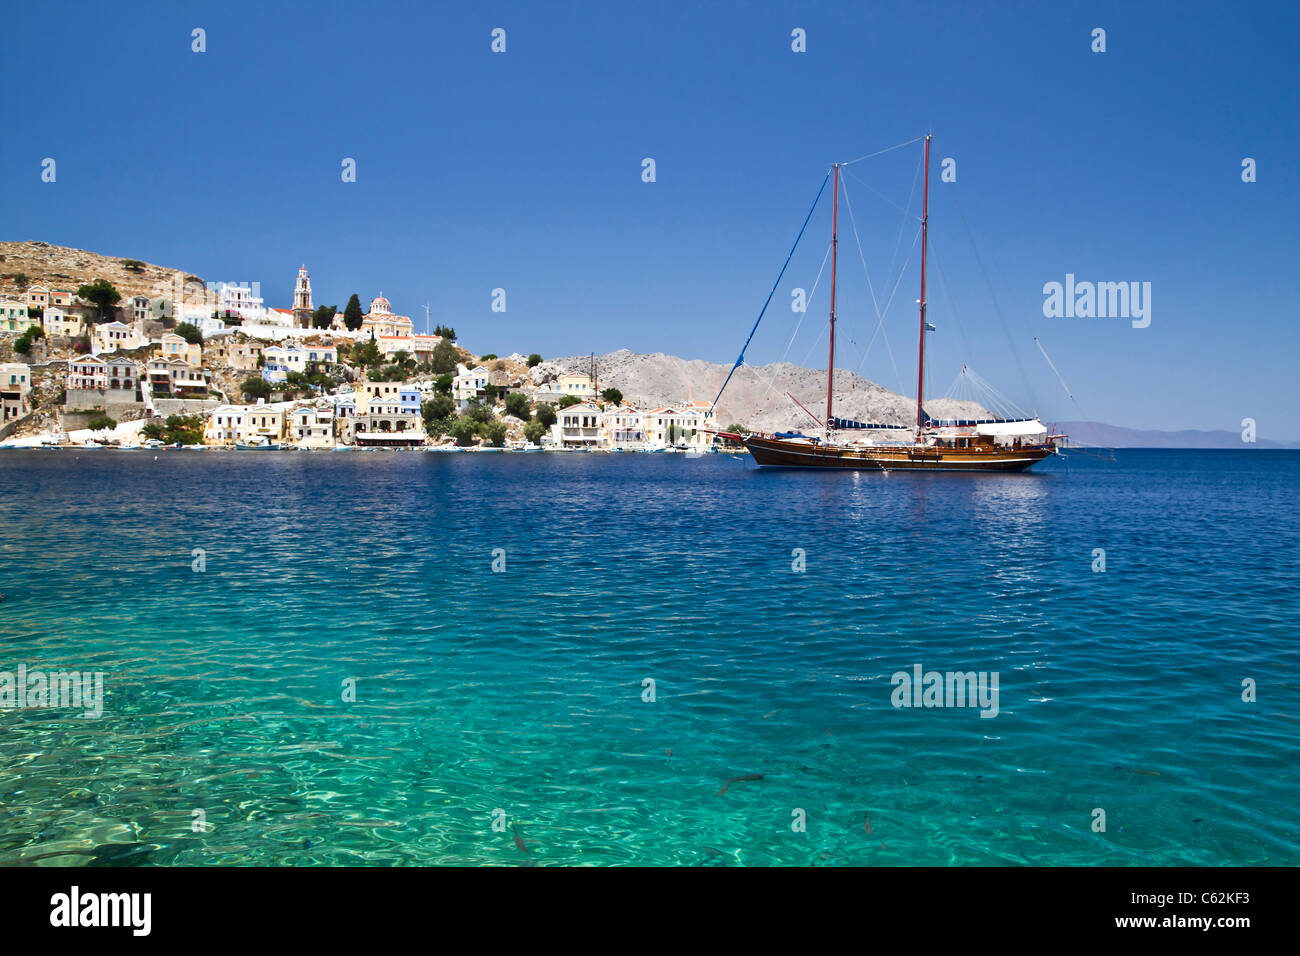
(463, 429)
(737, 429)
(443, 383)
(545, 414)
(255, 388)
(131, 265)
(352, 314)
(613, 396)
(487, 358)
(190, 333)
(517, 405)
(478, 412)
(445, 357)
(534, 360)
(534, 431)
(366, 354)
(184, 429)
(101, 294)
(490, 392)
(100, 422)
(437, 412)
(22, 281)
(323, 316)
(445, 331)
(567, 400)
(494, 432)
(153, 429)
(24, 342)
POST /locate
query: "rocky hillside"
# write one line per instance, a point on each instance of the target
(756, 396)
(63, 267)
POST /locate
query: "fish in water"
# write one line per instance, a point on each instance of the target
(866, 824)
(1148, 773)
(742, 778)
(519, 840)
(669, 751)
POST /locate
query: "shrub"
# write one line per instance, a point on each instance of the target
(546, 415)
(463, 429)
(437, 409)
(517, 405)
(445, 357)
(567, 400)
(534, 360)
(100, 422)
(256, 388)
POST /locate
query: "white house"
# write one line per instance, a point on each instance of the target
(238, 424)
(111, 336)
(469, 383)
(577, 426)
(680, 426)
(622, 427)
(15, 384)
(312, 426)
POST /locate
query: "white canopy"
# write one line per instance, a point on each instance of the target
(1011, 429)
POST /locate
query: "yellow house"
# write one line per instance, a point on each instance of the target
(13, 317)
(58, 322)
(575, 383)
(174, 347)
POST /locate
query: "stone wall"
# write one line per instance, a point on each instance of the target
(163, 407)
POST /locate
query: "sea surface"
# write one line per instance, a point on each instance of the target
(503, 717)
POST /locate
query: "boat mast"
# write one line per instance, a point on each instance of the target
(925, 221)
(830, 365)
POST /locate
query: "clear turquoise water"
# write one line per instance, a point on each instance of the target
(522, 690)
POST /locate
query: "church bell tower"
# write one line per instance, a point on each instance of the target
(302, 300)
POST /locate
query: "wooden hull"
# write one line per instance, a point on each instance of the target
(777, 452)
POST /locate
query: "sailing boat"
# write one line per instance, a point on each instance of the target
(981, 445)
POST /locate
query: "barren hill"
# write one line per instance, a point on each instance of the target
(756, 396)
(63, 267)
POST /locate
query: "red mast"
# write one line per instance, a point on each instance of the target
(925, 220)
(835, 244)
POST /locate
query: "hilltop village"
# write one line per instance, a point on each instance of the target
(191, 365)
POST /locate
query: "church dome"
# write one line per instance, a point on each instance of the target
(379, 304)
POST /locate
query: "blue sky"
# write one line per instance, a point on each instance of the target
(522, 171)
